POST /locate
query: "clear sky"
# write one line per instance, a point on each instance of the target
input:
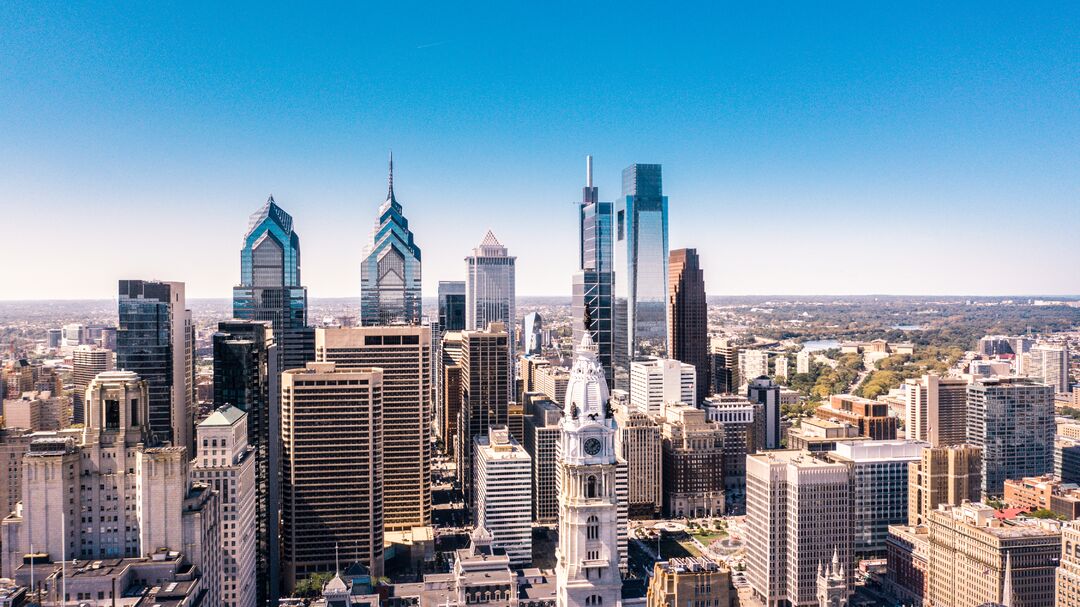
(862, 147)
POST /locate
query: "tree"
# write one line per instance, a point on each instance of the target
(311, 586)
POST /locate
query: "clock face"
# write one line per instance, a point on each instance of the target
(592, 446)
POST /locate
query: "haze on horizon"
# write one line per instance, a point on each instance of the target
(847, 149)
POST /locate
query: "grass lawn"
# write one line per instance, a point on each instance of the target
(710, 537)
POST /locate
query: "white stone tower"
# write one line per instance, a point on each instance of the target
(587, 572)
(832, 588)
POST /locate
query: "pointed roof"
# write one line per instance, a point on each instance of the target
(224, 416)
(490, 240)
(390, 180)
(269, 210)
(1007, 589)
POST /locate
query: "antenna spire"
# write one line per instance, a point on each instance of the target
(390, 191)
(588, 171)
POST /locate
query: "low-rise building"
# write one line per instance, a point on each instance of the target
(1044, 493)
(908, 555)
(693, 581)
(821, 435)
(870, 417)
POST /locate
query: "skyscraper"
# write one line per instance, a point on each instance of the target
(403, 354)
(390, 273)
(246, 376)
(86, 363)
(451, 305)
(485, 394)
(156, 340)
(1050, 364)
(936, 410)
(504, 493)
(594, 282)
(688, 316)
(641, 257)
(658, 382)
(765, 393)
(489, 286)
(1012, 419)
(270, 286)
(533, 333)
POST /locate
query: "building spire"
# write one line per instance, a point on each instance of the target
(390, 179)
(1007, 589)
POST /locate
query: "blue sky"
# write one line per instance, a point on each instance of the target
(839, 148)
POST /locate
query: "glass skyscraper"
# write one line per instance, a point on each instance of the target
(641, 258)
(390, 274)
(593, 283)
(270, 287)
(451, 305)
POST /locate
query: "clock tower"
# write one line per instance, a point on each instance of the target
(587, 572)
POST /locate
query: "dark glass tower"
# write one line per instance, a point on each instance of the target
(156, 340)
(390, 273)
(452, 305)
(246, 376)
(270, 284)
(594, 282)
(688, 317)
(641, 256)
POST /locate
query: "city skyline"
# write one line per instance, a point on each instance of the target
(872, 131)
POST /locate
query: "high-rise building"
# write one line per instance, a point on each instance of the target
(489, 285)
(86, 362)
(688, 316)
(588, 555)
(639, 443)
(503, 493)
(332, 470)
(552, 382)
(765, 393)
(879, 489)
(533, 334)
(1067, 459)
(752, 365)
(594, 282)
(156, 340)
(36, 411)
(449, 392)
(1068, 572)
(780, 367)
(871, 417)
(802, 362)
(246, 377)
(641, 257)
(543, 430)
(1012, 420)
(14, 443)
(73, 335)
(227, 462)
(657, 382)
(270, 287)
(390, 272)
(724, 364)
(798, 514)
(451, 300)
(695, 581)
(735, 415)
(452, 305)
(693, 476)
(943, 475)
(972, 558)
(936, 410)
(1050, 364)
(403, 353)
(485, 394)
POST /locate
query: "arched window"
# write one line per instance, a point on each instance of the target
(590, 487)
(592, 528)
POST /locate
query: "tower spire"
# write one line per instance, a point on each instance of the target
(1007, 587)
(390, 179)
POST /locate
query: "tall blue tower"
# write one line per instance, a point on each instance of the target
(594, 282)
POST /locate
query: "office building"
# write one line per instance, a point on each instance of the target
(593, 288)
(485, 395)
(72, 335)
(551, 381)
(1049, 364)
(533, 334)
(226, 461)
(780, 367)
(270, 287)
(14, 443)
(246, 377)
(943, 475)
(86, 362)
(879, 489)
(504, 493)
(1068, 572)
(688, 316)
(156, 341)
(54, 339)
(657, 382)
(694, 581)
(489, 286)
(908, 563)
(871, 417)
(543, 431)
(995, 345)
(802, 362)
(1044, 493)
(765, 393)
(36, 412)
(798, 514)
(332, 470)
(403, 353)
(735, 415)
(588, 554)
(639, 443)
(1012, 420)
(936, 410)
(693, 475)
(449, 391)
(977, 559)
(753, 364)
(390, 272)
(452, 305)
(818, 435)
(724, 363)
(1067, 459)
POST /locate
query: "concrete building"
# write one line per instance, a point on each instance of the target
(1050, 364)
(936, 410)
(639, 443)
(735, 415)
(404, 355)
(1067, 459)
(533, 334)
(765, 392)
(694, 581)
(658, 381)
(332, 469)
(551, 381)
(1044, 493)
(504, 493)
(485, 396)
(1068, 572)
(871, 417)
(693, 476)
(1012, 419)
(878, 471)
(36, 411)
(802, 362)
(798, 513)
(943, 475)
(86, 362)
(227, 462)
(448, 403)
(821, 435)
(543, 431)
(753, 364)
(908, 558)
(14, 443)
(970, 561)
(780, 367)
(724, 364)
(688, 316)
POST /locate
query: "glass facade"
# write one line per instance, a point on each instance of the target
(593, 283)
(1012, 420)
(390, 273)
(270, 287)
(452, 305)
(641, 258)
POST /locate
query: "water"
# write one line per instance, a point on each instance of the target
(819, 345)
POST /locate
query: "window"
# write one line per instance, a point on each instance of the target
(590, 487)
(592, 528)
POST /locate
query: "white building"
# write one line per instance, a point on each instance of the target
(753, 364)
(781, 367)
(659, 381)
(802, 361)
(227, 463)
(1049, 363)
(87, 362)
(936, 410)
(504, 493)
